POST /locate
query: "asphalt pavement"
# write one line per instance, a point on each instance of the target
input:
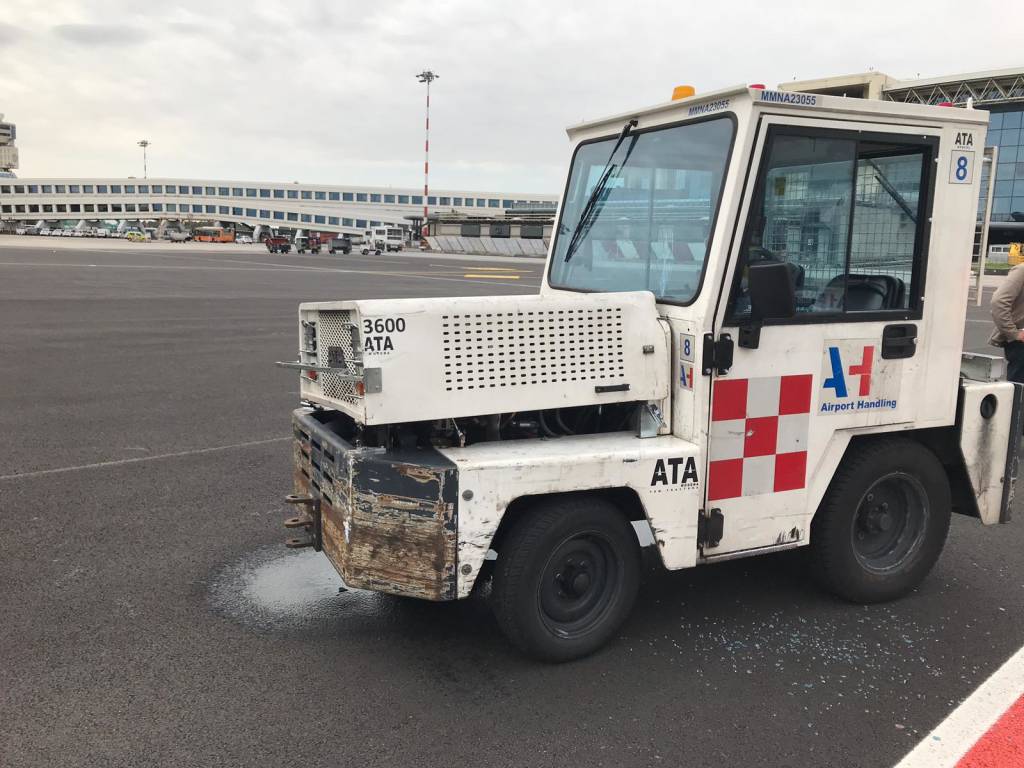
(150, 615)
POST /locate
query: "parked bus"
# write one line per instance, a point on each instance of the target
(213, 235)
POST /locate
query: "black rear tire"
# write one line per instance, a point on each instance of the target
(566, 577)
(883, 522)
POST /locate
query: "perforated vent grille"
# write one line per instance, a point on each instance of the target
(516, 349)
(334, 329)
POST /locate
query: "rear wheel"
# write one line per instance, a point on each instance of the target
(883, 522)
(566, 577)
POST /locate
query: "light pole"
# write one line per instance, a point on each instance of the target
(426, 76)
(144, 143)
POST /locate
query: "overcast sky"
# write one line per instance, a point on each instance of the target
(326, 91)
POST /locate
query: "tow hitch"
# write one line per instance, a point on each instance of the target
(309, 521)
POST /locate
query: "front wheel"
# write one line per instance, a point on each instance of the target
(566, 577)
(883, 522)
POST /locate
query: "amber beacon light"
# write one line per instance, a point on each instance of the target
(682, 92)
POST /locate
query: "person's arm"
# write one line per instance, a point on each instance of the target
(1002, 303)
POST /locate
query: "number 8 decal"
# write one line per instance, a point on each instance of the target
(961, 168)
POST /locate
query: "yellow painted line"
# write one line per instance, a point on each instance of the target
(496, 277)
(483, 269)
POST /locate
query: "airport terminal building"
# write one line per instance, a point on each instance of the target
(295, 206)
(1001, 92)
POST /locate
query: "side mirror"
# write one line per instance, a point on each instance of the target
(772, 294)
(772, 297)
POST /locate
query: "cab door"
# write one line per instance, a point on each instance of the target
(845, 207)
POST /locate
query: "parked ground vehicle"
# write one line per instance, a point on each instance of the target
(382, 239)
(746, 341)
(309, 243)
(45, 231)
(277, 244)
(243, 239)
(135, 236)
(342, 244)
(101, 232)
(213, 235)
(177, 235)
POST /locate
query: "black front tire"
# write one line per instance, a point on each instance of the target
(566, 577)
(883, 522)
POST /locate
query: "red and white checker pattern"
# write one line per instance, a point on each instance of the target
(758, 440)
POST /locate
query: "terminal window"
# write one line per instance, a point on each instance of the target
(61, 189)
(144, 207)
(223, 191)
(293, 216)
(456, 201)
(374, 198)
(264, 193)
(158, 189)
(182, 190)
(33, 189)
(403, 199)
(320, 195)
(279, 214)
(307, 195)
(74, 189)
(306, 217)
(223, 210)
(332, 220)
(360, 197)
(236, 211)
(346, 222)
(101, 207)
(346, 197)
(444, 200)
(236, 192)
(114, 208)
(19, 189)
(417, 199)
(128, 207)
(250, 212)
(33, 209)
(334, 196)
(493, 203)
(293, 194)
(115, 189)
(211, 209)
(211, 191)
(128, 188)
(6, 190)
(250, 192)
(197, 209)
(389, 198)
(101, 189)
(319, 220)
(431, 200)
(89, 207)
(197, 190)
(48, 208)
(171, 207)
(481, 203)
(157, 207)
(507, 203)
(48, 189)
(469, 202)
(361, 223)
(279, 193)
(264, 214)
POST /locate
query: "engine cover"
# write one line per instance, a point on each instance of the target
(385, 361)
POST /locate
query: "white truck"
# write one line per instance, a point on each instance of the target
(380, 239)
(748, 339)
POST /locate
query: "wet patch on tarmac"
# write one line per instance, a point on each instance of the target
(274, 589)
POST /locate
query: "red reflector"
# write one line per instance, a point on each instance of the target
(311, 375)
(758, 86)
(945, 103)
(360, 388)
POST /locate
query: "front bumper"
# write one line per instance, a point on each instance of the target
(388, 521)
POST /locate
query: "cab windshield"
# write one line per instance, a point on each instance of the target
(648, 227)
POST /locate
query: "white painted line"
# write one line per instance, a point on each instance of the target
(954, 736)
(122, 462)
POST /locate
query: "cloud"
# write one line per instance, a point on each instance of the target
(102, 35)
(10, 33)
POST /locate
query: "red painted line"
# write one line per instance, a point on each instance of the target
(1002, 745)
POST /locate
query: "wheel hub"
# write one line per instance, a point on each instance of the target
(890, 521)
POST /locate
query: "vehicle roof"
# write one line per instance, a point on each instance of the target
(739, 98)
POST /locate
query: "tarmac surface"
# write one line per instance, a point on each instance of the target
(151, 616)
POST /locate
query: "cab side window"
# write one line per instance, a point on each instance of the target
(846, 214)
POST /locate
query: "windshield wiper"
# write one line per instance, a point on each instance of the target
(584, 224)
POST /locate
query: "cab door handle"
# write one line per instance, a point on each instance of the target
(899, 341)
